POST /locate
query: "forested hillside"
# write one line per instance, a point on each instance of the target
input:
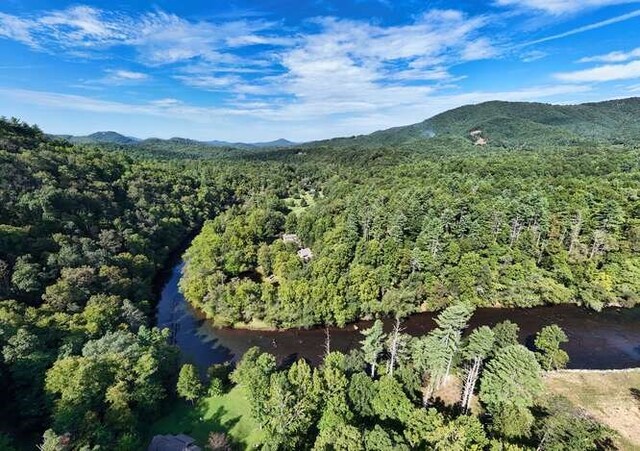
(83, 233)
(98, 138)
(519, 124)
(303, 236)
(393, 233)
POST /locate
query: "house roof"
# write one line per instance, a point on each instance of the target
(305, 253)
(290, 238)
(180, 442)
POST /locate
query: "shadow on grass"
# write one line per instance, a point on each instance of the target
(197, 422)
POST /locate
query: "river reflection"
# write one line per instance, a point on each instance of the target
(605, 340)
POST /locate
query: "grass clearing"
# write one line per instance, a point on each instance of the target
(228, 413)
(296, 206)
(613, 398)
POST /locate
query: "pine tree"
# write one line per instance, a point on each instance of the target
(548, 342)
(189, 385)
(478, 348)
(509, 384)
(373, 344)
(506, 334)
(451, 322)
(433, 354)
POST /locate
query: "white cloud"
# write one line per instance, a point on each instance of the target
(351, 64)
(557, 7)
(269, 120)
(608, 72)
(165, 38)
(209, 82)
(585, 28)
(354, 67)
(478, 49)
(82, 25)
(128, 75)
(612, 57)
(166, 102)
(160, 38)
(12, 27)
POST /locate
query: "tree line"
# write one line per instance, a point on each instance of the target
(418, 232)
(385, 395)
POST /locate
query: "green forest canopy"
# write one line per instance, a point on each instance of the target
(421, 223)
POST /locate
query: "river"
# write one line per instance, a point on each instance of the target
(605, 340)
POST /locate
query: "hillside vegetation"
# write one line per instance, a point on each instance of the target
(404, 232)
(83, 234)
(404, 220)
(520, 124)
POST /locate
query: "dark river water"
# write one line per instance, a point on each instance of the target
(605, 340)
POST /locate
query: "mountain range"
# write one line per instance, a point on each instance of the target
(517, 124)
(494, 123)
(111, 137)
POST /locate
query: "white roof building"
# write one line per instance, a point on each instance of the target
(291, 238)
(305, 254)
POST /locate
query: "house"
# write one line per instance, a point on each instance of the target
(178, 442)
(272, 279)
(305, 254)
(291, 238)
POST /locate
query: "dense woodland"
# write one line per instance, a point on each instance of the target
(83, 234)
(384, 395)
(487, 226)
(419, 224)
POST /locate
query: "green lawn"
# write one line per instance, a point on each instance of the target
(228, 413)
(295, 204)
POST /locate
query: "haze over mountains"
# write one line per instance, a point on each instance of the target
(112, 137)
(496, 123)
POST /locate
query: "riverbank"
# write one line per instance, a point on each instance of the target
(608, 339)
(163, 274)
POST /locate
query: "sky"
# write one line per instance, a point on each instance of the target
(240, 70)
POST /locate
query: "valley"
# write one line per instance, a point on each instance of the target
(350, 279)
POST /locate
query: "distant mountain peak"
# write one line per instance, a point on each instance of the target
(112, 137)
(102, 137)
(516, 124)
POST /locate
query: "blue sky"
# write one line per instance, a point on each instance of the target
(302, 69)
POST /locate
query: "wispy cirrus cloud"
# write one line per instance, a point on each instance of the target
(585, 28)
(559, 7)
(79, 27)
(534, 55)
(127, 75)
(17, 29)
(158, 37)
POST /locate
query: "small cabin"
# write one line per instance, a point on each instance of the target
(305, 254)
(272, 279)
(180, 442)
(291, 238)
